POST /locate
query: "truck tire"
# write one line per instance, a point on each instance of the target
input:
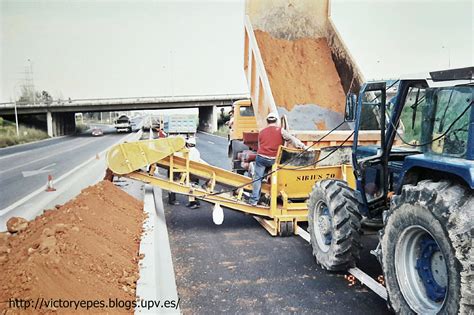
(334, 224)
(427, 254)
(236, 146)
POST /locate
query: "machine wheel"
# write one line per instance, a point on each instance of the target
(427, 253)
(286, 228)
(334, 224)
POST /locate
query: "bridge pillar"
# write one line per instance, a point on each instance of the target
(60, 124)
(208, 118)
(49, 124)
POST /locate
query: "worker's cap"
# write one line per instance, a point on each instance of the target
(272, 116)
(191, 140)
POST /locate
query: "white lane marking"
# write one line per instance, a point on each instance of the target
(71, 172)
(356, 272)
(39, 148)
(25, 144)
(210, 134)
(50, 155)
(44, 169)
(210, 142)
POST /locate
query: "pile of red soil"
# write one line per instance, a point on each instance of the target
(86, 249)
(301, 72)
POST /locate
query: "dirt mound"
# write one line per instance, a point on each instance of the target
(301, 72)
(86, 249)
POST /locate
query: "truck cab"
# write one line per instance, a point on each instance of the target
(243, 120)
(123, 123)
(242, 124)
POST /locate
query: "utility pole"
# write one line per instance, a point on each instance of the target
(449, 54)
(16, 111)
(32, 81)
(16, 121)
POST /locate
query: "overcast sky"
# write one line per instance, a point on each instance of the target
(88, 49)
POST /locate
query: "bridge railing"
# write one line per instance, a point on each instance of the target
(126, 100)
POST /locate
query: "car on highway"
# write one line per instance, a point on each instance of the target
(97, 132)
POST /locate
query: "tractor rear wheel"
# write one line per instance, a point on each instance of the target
(427, 253)
(334, 225)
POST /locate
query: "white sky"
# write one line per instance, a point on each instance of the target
(88, 49)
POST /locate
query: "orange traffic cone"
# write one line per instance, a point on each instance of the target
(49, 185)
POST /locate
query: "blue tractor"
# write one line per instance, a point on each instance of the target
(419, 182)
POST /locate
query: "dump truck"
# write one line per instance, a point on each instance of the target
(153, 122)
(123, 123)
(297, 65)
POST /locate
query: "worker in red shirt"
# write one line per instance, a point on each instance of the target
(269, 140)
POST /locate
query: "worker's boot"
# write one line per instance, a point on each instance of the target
(172, 199)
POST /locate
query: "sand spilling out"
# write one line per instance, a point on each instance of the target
(301, 72)
(86, 249)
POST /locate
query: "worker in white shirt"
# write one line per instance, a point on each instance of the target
(195, 156)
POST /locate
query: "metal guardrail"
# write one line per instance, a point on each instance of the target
(127, 100)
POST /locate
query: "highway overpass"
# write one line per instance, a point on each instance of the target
(60, 113)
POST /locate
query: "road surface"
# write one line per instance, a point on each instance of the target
(238, 267)
(25, 168)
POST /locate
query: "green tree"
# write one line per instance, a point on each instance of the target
(29, 96)
(223, 118)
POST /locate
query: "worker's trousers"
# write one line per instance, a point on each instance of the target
(261, 164)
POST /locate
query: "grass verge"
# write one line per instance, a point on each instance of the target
(223, 131)
(9, 137)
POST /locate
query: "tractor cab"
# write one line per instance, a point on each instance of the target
(427, 127)
(419, 181)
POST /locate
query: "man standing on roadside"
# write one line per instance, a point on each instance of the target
(269, 140)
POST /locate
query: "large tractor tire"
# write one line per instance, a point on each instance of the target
(427, 253)
(334, 225)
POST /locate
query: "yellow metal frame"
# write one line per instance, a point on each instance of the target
(288, 189)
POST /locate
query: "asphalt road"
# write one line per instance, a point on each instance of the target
(25, 168)
(238, 267)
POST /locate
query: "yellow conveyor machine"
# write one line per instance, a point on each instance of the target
(288, 185)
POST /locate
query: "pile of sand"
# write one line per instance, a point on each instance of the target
(87, 249)
(301, 72)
